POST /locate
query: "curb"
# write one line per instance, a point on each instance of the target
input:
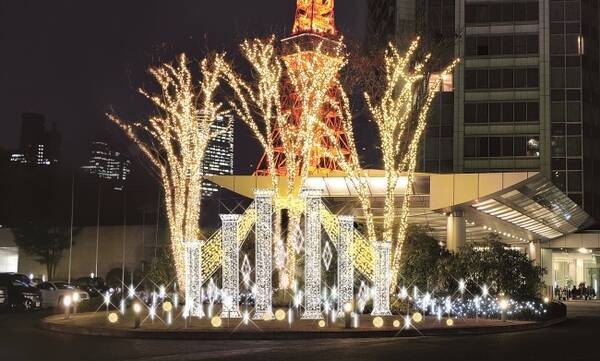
(47, 325)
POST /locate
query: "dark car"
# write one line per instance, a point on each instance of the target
(18, 293)
(93, 286)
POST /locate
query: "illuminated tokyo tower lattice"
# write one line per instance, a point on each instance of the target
(314, 25)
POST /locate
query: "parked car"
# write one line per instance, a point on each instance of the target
(18, 292)
(93, 286)
(53, 293)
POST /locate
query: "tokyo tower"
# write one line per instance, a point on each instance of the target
(314, 25)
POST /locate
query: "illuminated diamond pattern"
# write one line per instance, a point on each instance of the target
(327, 256)
(246, 270)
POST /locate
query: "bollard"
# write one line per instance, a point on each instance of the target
(67, 305)
(137, 309)
(348, 315)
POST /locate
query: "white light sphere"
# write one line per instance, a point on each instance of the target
(417, 317)
(378, 322)
(113, 317)
(216, 321)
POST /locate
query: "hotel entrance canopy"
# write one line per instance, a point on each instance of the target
(520, 207)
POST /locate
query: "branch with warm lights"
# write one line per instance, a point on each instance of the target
(175, 140)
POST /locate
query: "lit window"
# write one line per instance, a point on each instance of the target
(580, 45)
(447, 83)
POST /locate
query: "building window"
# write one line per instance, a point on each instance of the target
(446, 84)
(510, 78)
(574, 181)
(558, 146)
(502, 11)
(513, 44)
(502, 146)
(560, 180)
(501, 112)
(574, 146)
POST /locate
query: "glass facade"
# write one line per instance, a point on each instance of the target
(524, 97)
(437, 148)
(218, 159)
(573, 95)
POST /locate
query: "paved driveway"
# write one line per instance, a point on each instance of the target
(576, 339)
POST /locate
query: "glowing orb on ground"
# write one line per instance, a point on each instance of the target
(321, 323)
(396, 323)
(378, 322)
(347, 307)
(216, 321)
(113, 317)
(417, 317)
(167, 306)
(280, 315)
(449, 322)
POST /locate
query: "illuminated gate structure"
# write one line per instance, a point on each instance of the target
(314, 25)
(350, 248)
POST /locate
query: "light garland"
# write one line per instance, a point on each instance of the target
(311, 74)
(212, 255)
(193, 279)
(381, 272)
(315, 16)
(401, 108)
(312, 255)
(345, 271)
(263, 247)
(178, 138)
(231, 278)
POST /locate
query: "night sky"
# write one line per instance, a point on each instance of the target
(75, 60)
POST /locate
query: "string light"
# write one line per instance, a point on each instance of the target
(193, 279)
(395, 113)
(175, 141)
(263, 247)
(230, 273)
(345, 271)
(312, 255)
(381, 297)
(311, 74)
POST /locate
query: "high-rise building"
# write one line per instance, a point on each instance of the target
(107, 164)
(37, 145)
(525, 95)
(218, 159)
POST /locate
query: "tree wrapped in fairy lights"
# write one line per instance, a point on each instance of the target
(175, 140)
(399, 110)
(258, 103)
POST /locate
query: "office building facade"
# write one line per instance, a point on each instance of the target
(524, 97)
(108, 165)
(38, 146)
(218, 159)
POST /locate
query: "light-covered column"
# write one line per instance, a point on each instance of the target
(193, 278)
(231, 269)
(456, 231)
(345, 270)
(263, 201)
(312, 254)
(381, 278)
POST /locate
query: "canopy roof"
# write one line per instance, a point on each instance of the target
(520, 206)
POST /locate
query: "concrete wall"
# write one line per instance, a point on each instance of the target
(135, 244)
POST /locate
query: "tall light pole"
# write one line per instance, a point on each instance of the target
(97, 228)
(124, 237)
(71, 241)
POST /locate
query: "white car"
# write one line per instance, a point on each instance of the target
(53, 293)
